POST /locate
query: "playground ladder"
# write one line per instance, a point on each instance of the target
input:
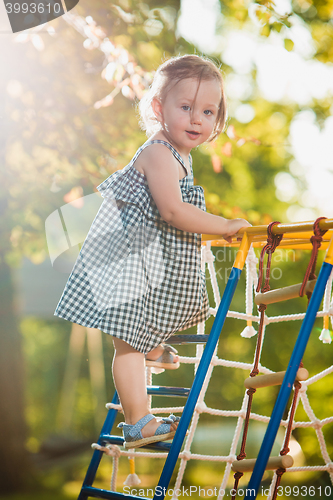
(174, 449)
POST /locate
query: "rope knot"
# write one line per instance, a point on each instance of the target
(112, 450)
(241, 456)
(280, 472)
(317, 424)
(201, 407)
(207, 254)
(316, 240)
(273, 240)
(285, 451)
(186, 455)
(238, 475)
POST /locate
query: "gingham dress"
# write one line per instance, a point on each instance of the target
(136, 277)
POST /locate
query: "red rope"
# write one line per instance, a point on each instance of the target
(286, 448)
(279, 473)
(242, 453)
(316, 240)
(237, 477)
(273, 241)
(255, 370)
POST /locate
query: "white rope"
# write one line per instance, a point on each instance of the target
(318, 429)
(271, 319)
(251, 281)
(319, 376)
(208, 257)
(113, 451)
(319, 468)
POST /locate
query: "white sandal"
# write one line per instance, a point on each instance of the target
(166, 360)
(132, 433)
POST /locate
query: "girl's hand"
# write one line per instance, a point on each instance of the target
(234, 225)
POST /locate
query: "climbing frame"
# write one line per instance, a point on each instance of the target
(206, 360)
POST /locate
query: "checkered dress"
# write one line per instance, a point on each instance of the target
(136, 277)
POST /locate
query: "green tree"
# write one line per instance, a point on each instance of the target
(55, 142)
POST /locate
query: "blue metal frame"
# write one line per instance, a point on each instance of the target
(197, 383)
(87, 489)
(288, 381)
(97, 455)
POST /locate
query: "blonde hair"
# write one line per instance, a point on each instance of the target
(169, 74)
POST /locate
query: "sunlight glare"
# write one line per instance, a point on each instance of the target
(286, 187)
(197, 23)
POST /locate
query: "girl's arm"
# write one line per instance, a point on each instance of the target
(162, 172)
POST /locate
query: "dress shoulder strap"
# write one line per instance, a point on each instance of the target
(168, 145)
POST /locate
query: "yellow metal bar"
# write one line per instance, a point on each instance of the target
(242, 252)
(329, 253)
(297, 234)
(287, 245)
(290, 227)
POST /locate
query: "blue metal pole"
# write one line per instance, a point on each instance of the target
(197, 384)
(97, 455)
(288, 381)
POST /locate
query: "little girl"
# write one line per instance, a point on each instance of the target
(138, 275)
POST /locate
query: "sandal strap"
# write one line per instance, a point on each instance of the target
(169, 348)
(166, 356)
(133, 432)
(136, 428)
(166, 350)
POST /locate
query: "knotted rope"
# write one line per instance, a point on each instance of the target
(273, 240)
(112, 450)
(316, 241)
(285, 450)
(279, 473)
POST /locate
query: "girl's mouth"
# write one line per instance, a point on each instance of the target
(192, 134)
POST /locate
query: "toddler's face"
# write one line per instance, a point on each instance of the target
(189, 112)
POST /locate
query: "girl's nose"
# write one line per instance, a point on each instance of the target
(195, 117)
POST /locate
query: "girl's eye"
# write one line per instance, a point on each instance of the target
(186, 108)
(208, 112)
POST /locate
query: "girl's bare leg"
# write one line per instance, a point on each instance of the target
(129, 375)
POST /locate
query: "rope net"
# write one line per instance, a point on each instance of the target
(244, 415)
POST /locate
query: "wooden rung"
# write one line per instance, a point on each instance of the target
(273, 463)
(273, 379)
(286, 293)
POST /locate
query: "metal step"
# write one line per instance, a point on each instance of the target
(156, 390)
(187, 339)
(118, 440)
(90, 491)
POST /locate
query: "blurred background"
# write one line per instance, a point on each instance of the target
(69, 91)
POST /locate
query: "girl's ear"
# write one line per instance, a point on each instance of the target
(157, 108)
